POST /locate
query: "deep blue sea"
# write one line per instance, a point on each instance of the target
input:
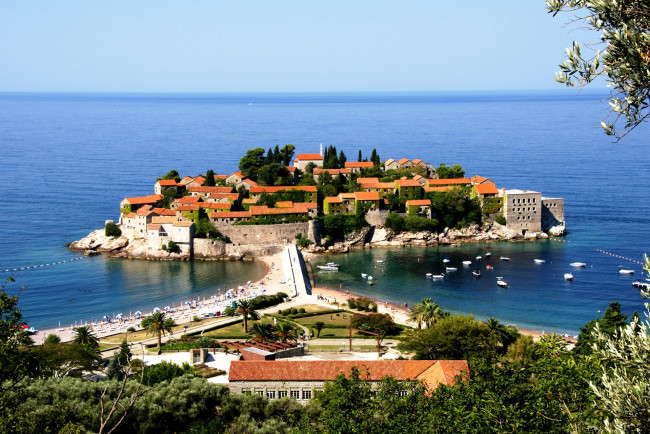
(68, 160)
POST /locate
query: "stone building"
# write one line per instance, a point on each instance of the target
(303, 160)
(523, 211)
(552, 212)
(301, 378)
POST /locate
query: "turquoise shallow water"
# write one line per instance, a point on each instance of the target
(68, 160)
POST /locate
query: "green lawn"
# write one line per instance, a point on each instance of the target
(340, 318)
(234, 331)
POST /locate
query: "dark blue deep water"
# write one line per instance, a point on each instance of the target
(68, 159)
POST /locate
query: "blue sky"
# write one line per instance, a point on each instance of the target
(276, 46)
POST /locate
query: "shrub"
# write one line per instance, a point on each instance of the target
(352, 303)
(196, 319)
(302, 310)
(112, 230)
(204, 342)
(130, 329)
(303, 242)
(52, 339)
(294, 311)
(395, 223)
(501, 219)
(172, 246)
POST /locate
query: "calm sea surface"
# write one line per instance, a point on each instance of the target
(68, 160)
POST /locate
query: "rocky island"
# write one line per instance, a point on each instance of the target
(323, 203)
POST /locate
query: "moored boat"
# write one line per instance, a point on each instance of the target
(625, 271)
(568, 276)
(540, 261)
(330, 266)
(476, 273)
(467, 262)
(502, 283)
(578, 264)
(451, 269)
(489, 267)
(446, 260)
(639, 284)
(438, 276)
(505, 258)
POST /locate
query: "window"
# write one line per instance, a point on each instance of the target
(270, 394)
(260, 392)
(306, 394)
(402, 393)
(295, 394)
(246, 391)
(282, 394)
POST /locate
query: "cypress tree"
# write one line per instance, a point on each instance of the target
(342, 159)
(209, 179)
(277, 156)
(360, 159)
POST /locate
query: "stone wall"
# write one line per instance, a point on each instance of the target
(552, 212)
(281, 234)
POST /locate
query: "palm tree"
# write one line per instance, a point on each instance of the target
(318, 326)
(84, 336)
(287, 332)
(431, 312)
(245, 309)
(157, 324)
(263, 332)
(416, 314)
(505, 334)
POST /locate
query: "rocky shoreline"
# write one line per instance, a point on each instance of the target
(122, 247)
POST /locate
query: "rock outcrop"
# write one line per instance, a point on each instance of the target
(99, 242)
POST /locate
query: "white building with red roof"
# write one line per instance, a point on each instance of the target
(302, 160)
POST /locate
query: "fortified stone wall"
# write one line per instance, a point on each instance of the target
(552, 212)
(281, 234)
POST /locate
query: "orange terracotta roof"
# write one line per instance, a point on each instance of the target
(291, 169)
(366, 195)
(417, 161)
(130, 215)
(183, 224)
(307, 188)
(334, 199)
(238, 174)
(390, 160)
(418, 202)
(164, 219)
(345, 171)
(346, 195)
(213, 205)
(358, 164)
(264, 210)
(449, 181)
(220, 176)
(367, 180)
(418, 177)
(403, 160)
(231, 196)
(249, 201)
(153, 227)
(164, 211)
(210, 189)
(303, 157)
(141, 200)
(186, 180)
(307, 205)
(188, 207)
(284, 204)
(433, 372)
(486, 189)
(200, 179)
(187, 199)
(166, 182)
(330, 171)
(407, 183)
(445, 188)
(250, 182)
(230, 214)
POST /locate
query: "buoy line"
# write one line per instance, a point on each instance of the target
(32, 267)
(619, 256)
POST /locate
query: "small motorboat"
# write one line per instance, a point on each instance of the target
(364, 275)
(502, 283)
(438, 276)
(568, 276)
(540, 261)
(488, 253)
(625, 271)
(476, 273)
(380, 262)
(446, 260)
(639, 284)
(578, 264)
(489, 267)
(429, 274)
(504, 258)
(451, 269)
(479, 257)
(330, 266)
(466, 263)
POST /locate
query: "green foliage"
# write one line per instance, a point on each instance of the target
(274, 174)
(156, 324)
(318, 326)
(64, 359)
(610, 323)
(167, 371)
(396, 202)
(172, 174)
(426, 312)
(501, 219)
(263, 332)
(303, 242)
(114, 370)
(172, 246)
(169, 195)
(381, 323)
(112, 230)
(209, 179)
(332, 160)
(454, 337)
(52, 339)
(204, 228)
(246, 309)
(264, 301)
(624, 60)
(339, 225)
(395, 223)
(445, 172)
(251, 163)
(455, 208)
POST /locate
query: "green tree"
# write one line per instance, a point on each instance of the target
(431, 312)
(156, 324)
(506, 335)
(395, 223)
(64, 359)
(209, 179)
(250, 163)
(263, 332)
(112, 230)
(286, 332)
(610, 323)
(52, 339)
(380, 323)
(245, 309)
(172, 174)
(274, 174)
(204, 228)
(318, 326)
(287, 153)
(624, 60)
(84, 335)
(167, 371)
(455, 337)
(445, 172)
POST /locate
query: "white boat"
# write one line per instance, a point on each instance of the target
(476, 273)
(364, 275)
(540, 261)
(639, 284)
(369, 277)
(504, 258)
(488, 253)
(499, 278)
(578, 264)
(446, 260)
(625, 271)
(467, 262)
(502, 283)
(380, 262)
(438, 276)
(479, 257)
(429, 274)
(451, 269)
(330, 266)
(568, 276)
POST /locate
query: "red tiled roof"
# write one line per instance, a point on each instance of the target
(367, 180)
(345, 171)
(141, 200)
(210, 189)
(303, 157)
(434, 372)
(366, 195)
(334, 199)
(417, 161)
(264, 210)
(308, 188)
(330, 171)
(164, 219)
(231, 196)
(166, 182)
(284, 204)
(213, 205)
(238, 174)
(220, 176)
(486, 189)
(449, 181)
(358, 164)
(183, 224)
(249, 201)
(230, 214)
(291, 169)
(306, 205)
(419, 202)
(390, 160)
(130, 215)
(164, 211)
(445, 188)
(153, 227)
(407, 183)
(188, 207)
(187, 199)
(403, 160)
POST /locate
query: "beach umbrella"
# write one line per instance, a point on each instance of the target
(138, 313)
(167, 307)
(156, 309)
(119, 315)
